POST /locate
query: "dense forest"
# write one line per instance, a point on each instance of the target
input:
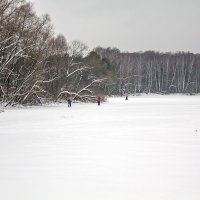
(37, 66)
(154, 72)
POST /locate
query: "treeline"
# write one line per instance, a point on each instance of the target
(154, 72)
(36, 66)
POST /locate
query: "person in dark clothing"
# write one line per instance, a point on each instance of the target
(99, 101)
(69, 101)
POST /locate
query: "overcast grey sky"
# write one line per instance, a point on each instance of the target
(130, 25)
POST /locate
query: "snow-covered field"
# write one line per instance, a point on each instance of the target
(146, 148)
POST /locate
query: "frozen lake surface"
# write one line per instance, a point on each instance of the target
(146, 148)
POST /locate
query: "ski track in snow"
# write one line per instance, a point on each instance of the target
(146, 148)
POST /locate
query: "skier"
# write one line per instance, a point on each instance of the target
(99, 101)
(126, 96)
(69, 101)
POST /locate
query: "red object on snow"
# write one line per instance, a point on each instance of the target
(98, 99)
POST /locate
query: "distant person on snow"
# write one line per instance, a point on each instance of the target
(99, 100)
(69, 101)
(126, 96)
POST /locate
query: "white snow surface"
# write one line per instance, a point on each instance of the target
(146, 148)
